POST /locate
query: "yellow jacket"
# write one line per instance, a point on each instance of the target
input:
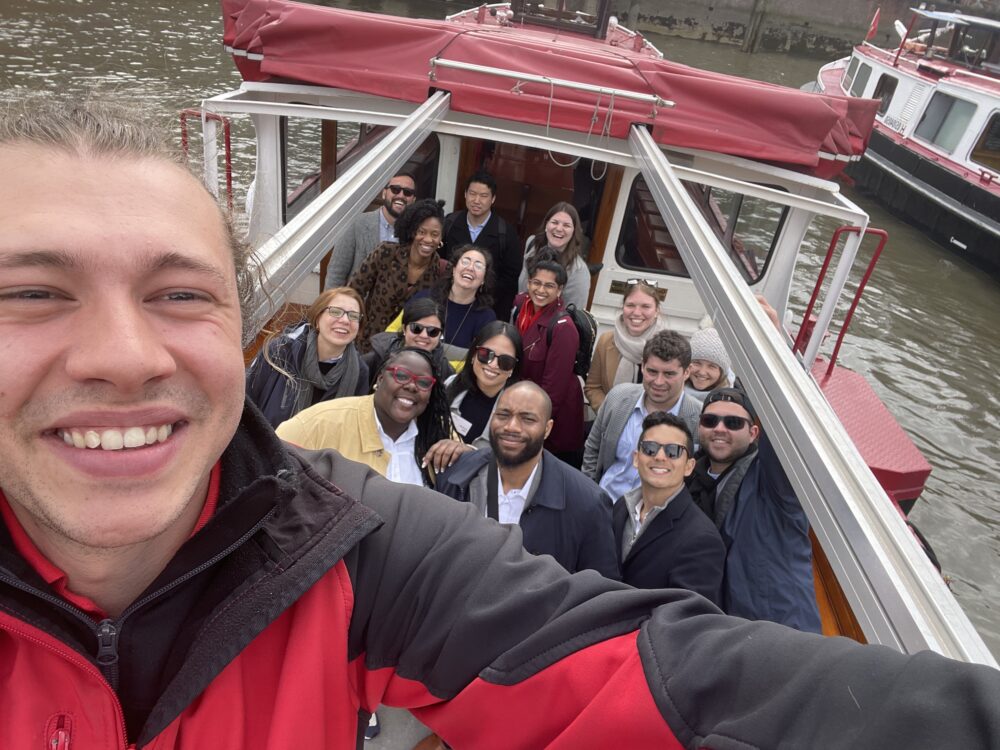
(345, 424)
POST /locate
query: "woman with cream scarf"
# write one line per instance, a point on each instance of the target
(618, 353)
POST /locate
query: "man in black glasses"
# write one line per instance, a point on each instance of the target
(739, 482)
(664, 541)
(518, 483)
(370, 229)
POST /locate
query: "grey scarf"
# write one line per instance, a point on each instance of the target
(341, 380)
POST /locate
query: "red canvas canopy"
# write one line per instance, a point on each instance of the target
(390, 56)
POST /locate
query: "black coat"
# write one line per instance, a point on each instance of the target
(681, 549)
(501, 240)
(569, 516)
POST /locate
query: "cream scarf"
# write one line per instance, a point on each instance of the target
(630, 347)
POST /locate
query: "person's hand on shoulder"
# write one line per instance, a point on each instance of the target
(444, 453)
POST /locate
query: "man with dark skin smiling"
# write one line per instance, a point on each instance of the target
(172, 575)
(560, 512)
(370, 229)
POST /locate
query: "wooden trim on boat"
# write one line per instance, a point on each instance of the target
(834, 609)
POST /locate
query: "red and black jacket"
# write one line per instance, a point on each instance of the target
(319, 590)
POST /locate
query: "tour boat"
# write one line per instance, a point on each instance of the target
(934, 156)
(705, 184)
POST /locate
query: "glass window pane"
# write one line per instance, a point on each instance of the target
(955, 124)
(861, 80)
(987, 150)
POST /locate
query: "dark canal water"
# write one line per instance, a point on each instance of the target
(925, 336)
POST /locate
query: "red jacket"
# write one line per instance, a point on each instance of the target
(551, 367)
(301, 605)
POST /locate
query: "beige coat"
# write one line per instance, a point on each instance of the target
(603, 367)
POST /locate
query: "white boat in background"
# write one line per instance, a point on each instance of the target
(706, 184)
(934, 156)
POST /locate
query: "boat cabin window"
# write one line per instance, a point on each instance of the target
(861, 79)
(884, 90)
(987, 149)
(304, 157)
(852, 68)
(945, 121)
(747, 226)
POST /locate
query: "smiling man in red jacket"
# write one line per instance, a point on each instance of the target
(173, 576)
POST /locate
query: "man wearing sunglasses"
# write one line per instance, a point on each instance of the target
(740, 484)
(664, 541)
(517, 482)
(607, 456)
(371, 229)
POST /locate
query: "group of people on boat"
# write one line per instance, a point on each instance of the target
(411, 367)
(173, 575)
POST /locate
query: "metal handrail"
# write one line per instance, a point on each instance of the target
(205, 117)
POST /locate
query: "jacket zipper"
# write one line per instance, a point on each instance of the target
(59, 735)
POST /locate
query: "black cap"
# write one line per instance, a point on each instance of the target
(734, 396)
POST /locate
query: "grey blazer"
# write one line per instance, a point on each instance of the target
(599, 452)
(358, 241)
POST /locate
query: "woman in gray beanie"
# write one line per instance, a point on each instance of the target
(709, 368)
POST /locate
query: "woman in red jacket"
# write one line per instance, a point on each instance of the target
(548, 357)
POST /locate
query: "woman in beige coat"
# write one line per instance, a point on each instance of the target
(618, 353)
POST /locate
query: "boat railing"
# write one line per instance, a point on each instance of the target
(208, 131)
(897, 596)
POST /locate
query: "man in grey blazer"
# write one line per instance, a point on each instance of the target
(371, 229)
(607, 456)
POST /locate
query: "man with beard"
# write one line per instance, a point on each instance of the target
(516, 482)
(739, 482)
(371, 229)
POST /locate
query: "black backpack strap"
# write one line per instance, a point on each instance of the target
(449, 222)
(492, 489)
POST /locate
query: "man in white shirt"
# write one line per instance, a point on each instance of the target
(560, 512)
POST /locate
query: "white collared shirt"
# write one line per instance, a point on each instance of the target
(402, 458)
(510, 505)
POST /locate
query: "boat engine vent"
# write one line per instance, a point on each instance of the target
(916, 96)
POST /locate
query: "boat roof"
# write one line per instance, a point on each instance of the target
(959, 19)
(544, 77)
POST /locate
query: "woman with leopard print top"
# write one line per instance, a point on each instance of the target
(395, 271)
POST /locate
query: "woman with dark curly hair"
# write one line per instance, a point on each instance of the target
(395, 271)
(391, 430)
(561, 235)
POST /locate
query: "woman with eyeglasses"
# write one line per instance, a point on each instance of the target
(422, 329)
(561, 235)
(392, 429)
(550, 341)
(395, 271)
(618, 353)
(465, 297)
(313, 360)
(491, 363)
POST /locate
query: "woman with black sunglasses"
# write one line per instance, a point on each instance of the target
(422, 329)
(491, 363)
(392, 429)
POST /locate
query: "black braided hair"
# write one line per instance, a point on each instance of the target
(434, 423)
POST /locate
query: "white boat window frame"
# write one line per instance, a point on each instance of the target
(931, 141)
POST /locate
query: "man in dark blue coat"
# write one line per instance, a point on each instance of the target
(741, 485)
(516, 482)
(664, 540)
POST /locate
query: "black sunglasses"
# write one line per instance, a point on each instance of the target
(670, 450)
(397, 189)
(487, 355)
(731, 422)
(418, 328)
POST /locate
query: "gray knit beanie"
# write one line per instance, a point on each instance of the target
(706, 345)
